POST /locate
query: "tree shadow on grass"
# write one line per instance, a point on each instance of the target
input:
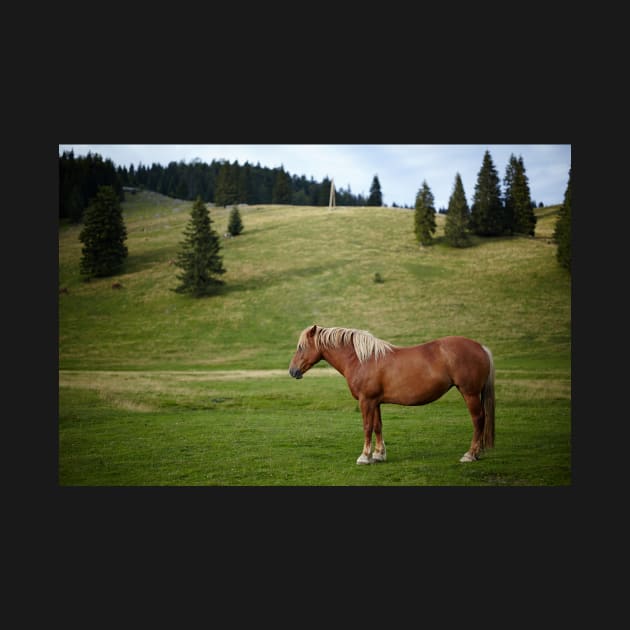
(474, 240)
(136, 263)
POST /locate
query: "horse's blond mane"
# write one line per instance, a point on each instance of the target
(365, 343)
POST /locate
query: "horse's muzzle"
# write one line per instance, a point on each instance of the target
(295, 373)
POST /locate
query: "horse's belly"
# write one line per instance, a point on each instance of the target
(414, 400)
(415, 392)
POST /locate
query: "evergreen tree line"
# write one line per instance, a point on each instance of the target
(493, 212)
(79, 180)
(221, 182)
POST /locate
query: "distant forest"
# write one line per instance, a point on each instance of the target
(221, 183)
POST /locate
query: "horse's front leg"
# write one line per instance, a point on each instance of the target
(379, 454)
(371, 418)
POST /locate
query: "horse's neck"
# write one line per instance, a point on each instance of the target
(342, 358)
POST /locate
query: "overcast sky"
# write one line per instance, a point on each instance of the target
(401, 168)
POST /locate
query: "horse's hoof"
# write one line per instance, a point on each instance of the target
(379, 457)
(467, 457)
(364, 459)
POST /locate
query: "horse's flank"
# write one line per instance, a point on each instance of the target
(365, 344)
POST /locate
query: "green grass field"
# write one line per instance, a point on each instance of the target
(156, 388)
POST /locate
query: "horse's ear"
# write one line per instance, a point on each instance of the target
(312, 331)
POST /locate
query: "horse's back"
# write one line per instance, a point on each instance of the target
(459, 344)
(448, 348)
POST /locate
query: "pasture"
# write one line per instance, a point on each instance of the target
(159, 389)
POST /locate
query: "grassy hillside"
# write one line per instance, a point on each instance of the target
(294, 266)
(148, 368)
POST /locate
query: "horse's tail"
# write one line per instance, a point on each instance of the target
(487, 400)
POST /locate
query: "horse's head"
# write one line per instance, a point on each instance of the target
(306, 355)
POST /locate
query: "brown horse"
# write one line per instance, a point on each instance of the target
(378, 372)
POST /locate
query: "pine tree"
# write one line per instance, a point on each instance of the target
(103, 235)
(226, 190)
(244, 184)
(281, 192)
(181, 191)
(424, 217)
(199, 257)
(73, 205)
(458, 216)
(83, 176)
(235, 224)
(375, 198)
(562, 232)
(508, 184)
(519, 209)
(487, 216)
(323, 192)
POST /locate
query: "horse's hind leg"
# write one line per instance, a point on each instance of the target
(475, 408)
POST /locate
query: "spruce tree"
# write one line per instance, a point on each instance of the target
(103, 235)
(424, 217)
(519, 210)
(226, 189)
(281, 191)
(487, 217)
(375, 198)
(73, 205)
(323, 194)
(508, 184)
(458, 216)
(562, 231)
(199, 256)
(235, 224)
(245, 184)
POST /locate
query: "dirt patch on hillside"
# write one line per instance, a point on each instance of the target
(239, 375)
(130, 379)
